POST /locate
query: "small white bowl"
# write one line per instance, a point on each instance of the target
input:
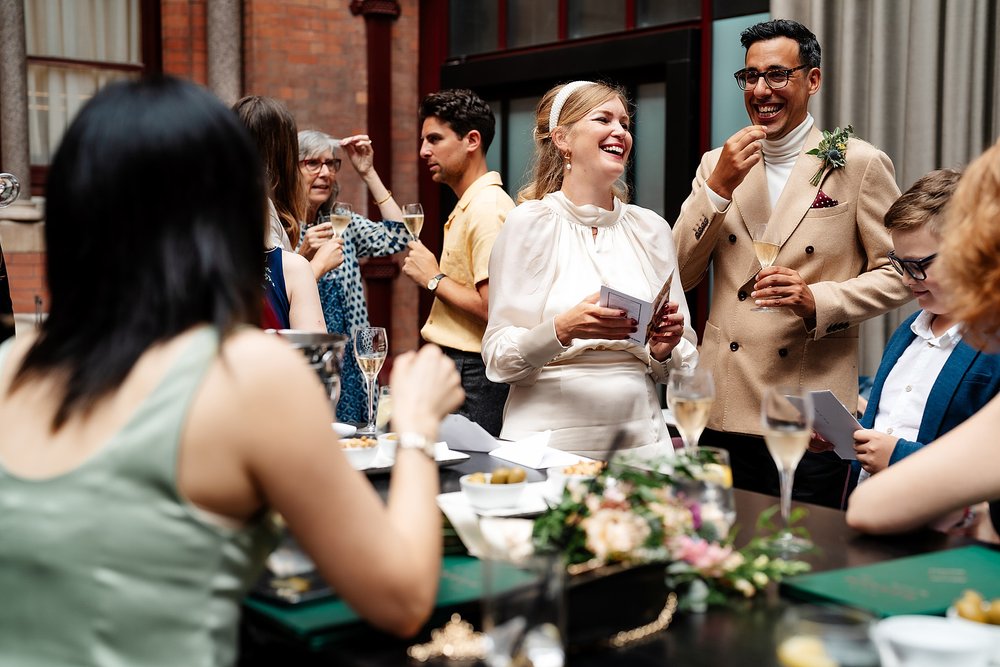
(932, 641)
(993, 630)
(486, 496)
(556, 481)
(387, 445)
(344, 430)
(361, 458)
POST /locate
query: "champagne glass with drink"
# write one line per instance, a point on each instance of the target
(413, 218)
(786, 415)
(766, 250)
(370, 348)
(340, 217)
(690, 394)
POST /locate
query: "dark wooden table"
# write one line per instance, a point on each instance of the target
(743, 634)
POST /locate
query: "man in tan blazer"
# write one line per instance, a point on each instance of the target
(831, 271)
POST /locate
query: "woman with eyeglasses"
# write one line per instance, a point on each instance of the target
(341, 291)
(291, 300)
(957, 471)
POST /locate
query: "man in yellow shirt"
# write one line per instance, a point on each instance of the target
(457, 128)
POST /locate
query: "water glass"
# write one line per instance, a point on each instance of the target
(828, 635)
(711, 487)
(383, 415)
(524, 611)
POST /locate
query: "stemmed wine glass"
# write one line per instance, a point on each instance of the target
(10, 188)
(766, 251)
(690, 394)
(413, 218)
(370, 348)
(340, 217)
(786, 415)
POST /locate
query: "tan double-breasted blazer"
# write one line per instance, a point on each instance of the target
(840, 251)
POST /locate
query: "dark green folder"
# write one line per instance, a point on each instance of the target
(925, 584)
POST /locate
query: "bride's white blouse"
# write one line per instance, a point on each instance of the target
(545, 261)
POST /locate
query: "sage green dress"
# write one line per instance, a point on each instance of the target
(108, 565)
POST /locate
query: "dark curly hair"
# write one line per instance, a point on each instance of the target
(463, 111)
(809, 51)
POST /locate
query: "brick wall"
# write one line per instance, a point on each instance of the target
(184, 39)
(23, 249)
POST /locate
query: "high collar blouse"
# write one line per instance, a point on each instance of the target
(547, 259)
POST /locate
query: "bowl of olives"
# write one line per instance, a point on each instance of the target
(974, 608)
(499, 489)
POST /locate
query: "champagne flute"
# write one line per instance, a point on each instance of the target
(766, 251)
(690, 394)
(10, 188)
(786, 415)
(370, 348)
(340, 217)
(413, 218)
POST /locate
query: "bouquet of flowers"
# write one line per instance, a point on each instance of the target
(634, 516)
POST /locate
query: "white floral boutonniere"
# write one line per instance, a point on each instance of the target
(832, 151)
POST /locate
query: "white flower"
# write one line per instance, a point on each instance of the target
(760, 562)
(614, 533)
(745, 587)
(760, 579)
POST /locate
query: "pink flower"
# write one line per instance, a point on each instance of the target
(709, 558)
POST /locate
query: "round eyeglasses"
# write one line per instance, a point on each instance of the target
(747, 79)
(916, 268)
(314, 165)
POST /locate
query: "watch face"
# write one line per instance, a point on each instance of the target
(433, 283)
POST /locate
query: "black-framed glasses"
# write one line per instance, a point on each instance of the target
(916, 268)
(314, 165)
(776, 78)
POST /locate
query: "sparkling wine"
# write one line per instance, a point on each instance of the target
(340, 223)
(787, 446)
(414, 223)
(370, 364)
(691, 415)
(766, 252)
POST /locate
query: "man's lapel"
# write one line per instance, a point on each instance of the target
(752, 199)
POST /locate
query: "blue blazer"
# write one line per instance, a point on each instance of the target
(967, 382)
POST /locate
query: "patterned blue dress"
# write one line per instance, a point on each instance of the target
(341, 292)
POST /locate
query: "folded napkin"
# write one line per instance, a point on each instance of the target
(534, 452)
(823, 201)
(466, 435)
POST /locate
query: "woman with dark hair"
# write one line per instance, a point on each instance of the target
(569, 361)
(139, 455)
(341, 291)
(291, 299)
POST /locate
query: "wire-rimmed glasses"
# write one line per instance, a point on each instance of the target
(776, 78)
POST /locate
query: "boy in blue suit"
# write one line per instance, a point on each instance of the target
(929, 381)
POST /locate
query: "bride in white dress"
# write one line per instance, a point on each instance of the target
(570, 363)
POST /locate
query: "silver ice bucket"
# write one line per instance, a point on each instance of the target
(324, 353)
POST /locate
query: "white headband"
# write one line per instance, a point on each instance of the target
(561, 97)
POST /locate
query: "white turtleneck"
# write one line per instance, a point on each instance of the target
(779, 158)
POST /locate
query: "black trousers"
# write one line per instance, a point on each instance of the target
(820, 479)
(484, 400)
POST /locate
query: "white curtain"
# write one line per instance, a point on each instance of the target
(91, 31)
(920, 79)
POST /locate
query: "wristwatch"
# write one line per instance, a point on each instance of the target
(432, 284)
(410, 440)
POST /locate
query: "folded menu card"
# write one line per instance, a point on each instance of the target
(642, 311)
(924, 584)
(832, 421)
(534, 452)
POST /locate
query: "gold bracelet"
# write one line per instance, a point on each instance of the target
(388, 196)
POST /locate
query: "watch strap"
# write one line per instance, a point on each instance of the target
(418, 441)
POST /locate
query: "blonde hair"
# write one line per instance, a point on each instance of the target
(547, 163)
(970, 251)
(923, 204)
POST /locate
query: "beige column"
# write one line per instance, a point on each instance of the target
(225, 49)
(14, 94)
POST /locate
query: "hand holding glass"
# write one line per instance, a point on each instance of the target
(370, 348)
(690, 394)
(766, 251)
(786, 415)
(413, 218)
(340, 217)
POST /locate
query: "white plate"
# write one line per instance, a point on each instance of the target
(344, 430)
(466, 520)
(442, 454)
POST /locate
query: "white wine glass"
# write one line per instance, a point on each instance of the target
(766, 250)
(340, 217)
(413, 218)
(370, 348)
(10, 188)
(786, 415)
(690, 394)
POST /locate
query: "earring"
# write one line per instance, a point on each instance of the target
(569, 165)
